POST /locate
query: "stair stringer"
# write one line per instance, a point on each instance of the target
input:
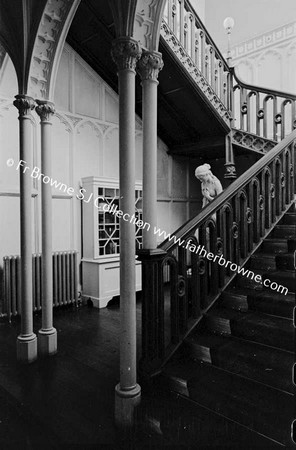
(251, 142)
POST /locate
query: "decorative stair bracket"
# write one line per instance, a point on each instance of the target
(184, 278)
(251, 141)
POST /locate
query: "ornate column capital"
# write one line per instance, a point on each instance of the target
(24, 104)
(150, 65)
(45, 110)
(125, 53)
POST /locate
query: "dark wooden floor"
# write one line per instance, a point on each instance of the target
(67, 401)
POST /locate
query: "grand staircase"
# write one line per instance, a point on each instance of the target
(238, 362)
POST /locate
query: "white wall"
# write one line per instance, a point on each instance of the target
(251, 18)
(199, 7)
(269, 60)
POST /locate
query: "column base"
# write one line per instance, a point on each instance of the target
(125, 403)
(26, 348)
(47, 342)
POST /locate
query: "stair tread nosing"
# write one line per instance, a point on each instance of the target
(277, 332)
(274, 245)
(284, 278)
(289, 219)
(262, 260)
(263, 300)
(285, 261)
(260, 294)
(257, 406)
(250, 279)
(268, 365)
(284, 230)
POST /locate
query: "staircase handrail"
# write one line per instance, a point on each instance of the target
(190, 41)
(252, 87)
(188, 228)
(266, 112)
(203, 27)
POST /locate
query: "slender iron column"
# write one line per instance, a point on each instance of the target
(126, 52)
(149, 67)
(27, 340)
(47, 336)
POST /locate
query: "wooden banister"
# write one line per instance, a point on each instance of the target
(267, 112)
(180, 282)
(238, 184)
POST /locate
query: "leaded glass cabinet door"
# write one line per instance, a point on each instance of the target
(100, 204)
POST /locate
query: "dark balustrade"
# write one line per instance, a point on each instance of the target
(265, 112)
(181, 282)
(190, 41)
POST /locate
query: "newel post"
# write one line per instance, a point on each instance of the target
(152, 309)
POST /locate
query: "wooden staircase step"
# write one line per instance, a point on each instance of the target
(170, 421)
(284, 231)
(277, 332)
(264, 261)
(262, 300)
(234, 298)
(285, 261)
(278, 245)
(261, 408)
(285, 279)
(244, 281)
(255, 361)
(289, 219)
(291, 245)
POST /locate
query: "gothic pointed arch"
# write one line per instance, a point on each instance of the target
(139, 19)
(48, 46)
(147, 23)
(33, 34)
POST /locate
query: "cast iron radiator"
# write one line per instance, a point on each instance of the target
(64, 281)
